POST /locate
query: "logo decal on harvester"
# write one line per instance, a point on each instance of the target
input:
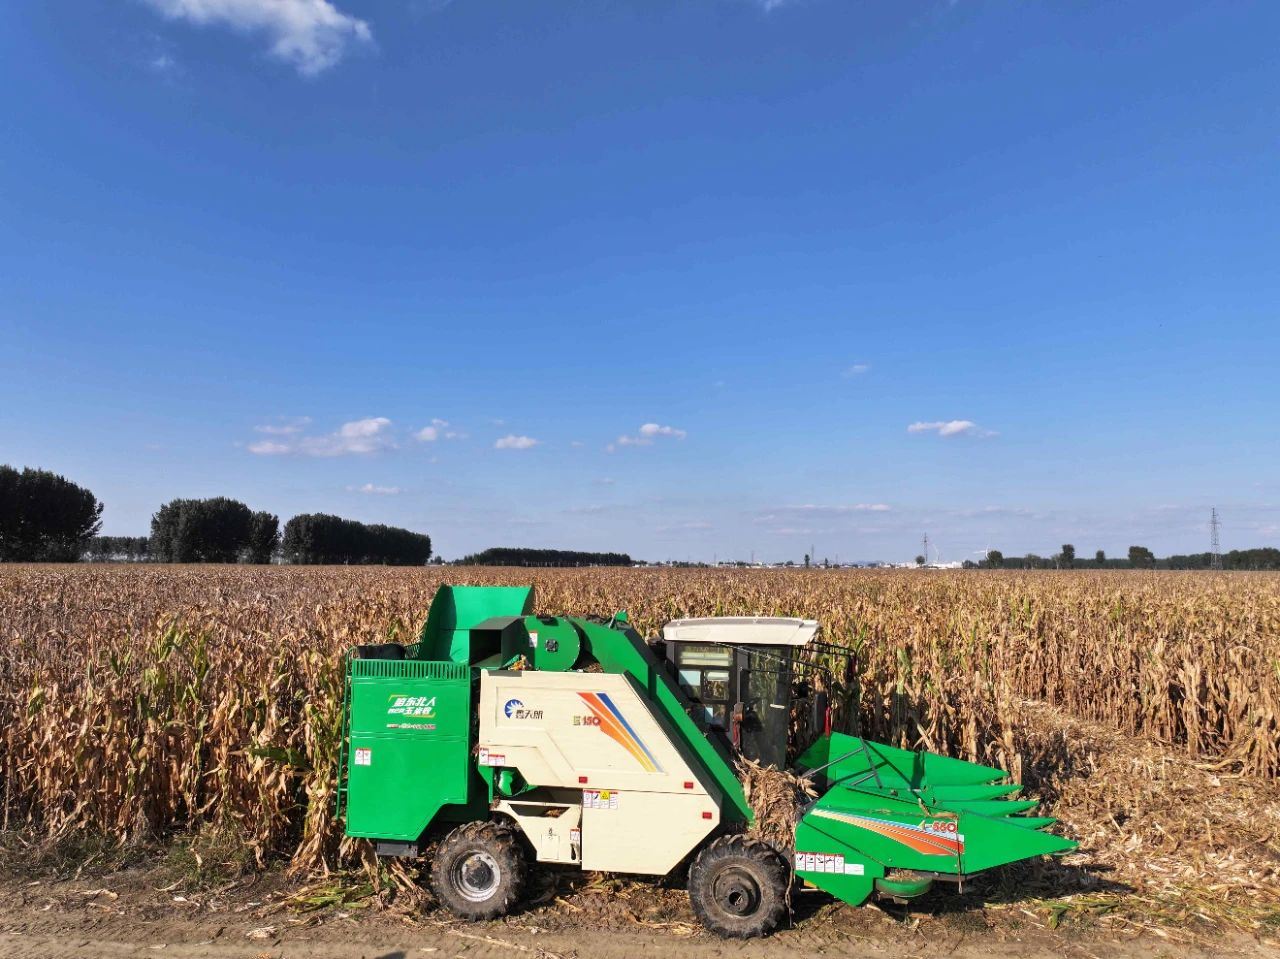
(417, 706)
(514, 709)
(930, 838)
(609, 718)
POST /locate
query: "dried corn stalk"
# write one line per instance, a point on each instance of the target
(777, 799)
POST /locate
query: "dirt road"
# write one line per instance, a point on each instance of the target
(121, 918)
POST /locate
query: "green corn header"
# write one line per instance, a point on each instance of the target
(572, 743)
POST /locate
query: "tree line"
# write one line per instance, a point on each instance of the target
(217, 530)
(45, 517)
(1138, 557)
(516, 556)
(127, 549)
(318, 538)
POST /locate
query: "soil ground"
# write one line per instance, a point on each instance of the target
(142, 911)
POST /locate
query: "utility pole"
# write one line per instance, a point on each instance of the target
(1215, 547)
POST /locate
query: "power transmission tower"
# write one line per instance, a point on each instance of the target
(1215, 546)
(925, 543)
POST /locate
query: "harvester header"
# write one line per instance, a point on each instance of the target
(570, 742)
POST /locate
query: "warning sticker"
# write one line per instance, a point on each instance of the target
(486, 758)
(828, 863)
(599, 799)
(364, 757)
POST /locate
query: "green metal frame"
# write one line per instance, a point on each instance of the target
(405, 717)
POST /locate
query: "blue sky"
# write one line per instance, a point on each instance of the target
(687, 279)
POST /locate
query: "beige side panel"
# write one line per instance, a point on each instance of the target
(558, 727)
(641, 832)
(555, 838)
(643, 806)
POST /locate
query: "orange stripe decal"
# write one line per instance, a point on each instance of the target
(612, 726)
(927, 842)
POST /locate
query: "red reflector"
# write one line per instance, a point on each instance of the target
(582, 779)
(706, 815)
(688, 785)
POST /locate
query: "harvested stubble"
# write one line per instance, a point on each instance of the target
(141, 700)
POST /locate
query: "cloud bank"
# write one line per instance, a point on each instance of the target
(357, 437)
(309, 35)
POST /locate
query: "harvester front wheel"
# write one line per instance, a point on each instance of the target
(478, 871)
(738, 887)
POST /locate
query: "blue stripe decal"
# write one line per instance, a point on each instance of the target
(604, 698)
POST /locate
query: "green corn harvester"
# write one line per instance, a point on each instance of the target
(517, 739)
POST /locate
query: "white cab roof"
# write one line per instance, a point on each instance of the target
(741, 630)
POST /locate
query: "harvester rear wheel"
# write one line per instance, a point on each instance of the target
(479, 870)
(738, 887)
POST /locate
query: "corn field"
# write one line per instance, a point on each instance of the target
(139, 701)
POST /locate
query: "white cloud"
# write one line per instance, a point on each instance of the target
(310, 35)
(513, 442)
(851, 508)
(269, 448)
(439, 429)
(950, 428)
(653, 429)
(373, 490)
(857, 369)
(287, 426)
(815, 511)
(163, 63)
(357, 437)
(646, 435)
(695, 524)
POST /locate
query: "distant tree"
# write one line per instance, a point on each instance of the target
(1141, 558)
(995, 558)
(1067, 557)
(1267, 557)
(969, 564)
(919, 560)
(1032, 561)
(264, 538)
(214, 530)
(132, 549)
(806, 560)
(45, 517)
(506, 556)
(313, 538)
(1100, 557)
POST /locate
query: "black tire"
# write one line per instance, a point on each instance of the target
(478, 871)
(738, 887)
